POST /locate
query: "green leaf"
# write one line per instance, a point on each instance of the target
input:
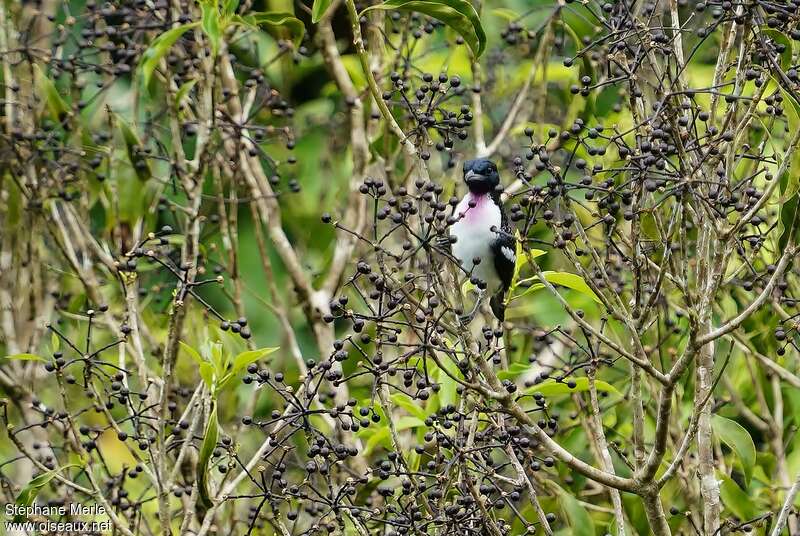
(404, 423)
(413, 459)
(217, 357)
(551, 387)
(738, 439)
(133, 146)
(206, 450)
(380, 436)
(523, 259)
(564, 279)
(318, 9)
(273, 20)
(245, 358)
(448, 394)
(238, 364)
(211, 25)
(457, 14)
(183, 91)
(736, 500)
(790, 222)
(573, 281)
(467, 287)
(29, 492)
(205, 367)
(383, 146)
(405, 402)
(505, 13)
(194, 354)
(56, 106)
(207, 373)
(159, 48)
(55, 342)
(26, 357)
(529, 290)
(514, 370)
(779, 38)
(230, 7)
(790, 180)
(578, 519)
(14, 209)
(583, 108)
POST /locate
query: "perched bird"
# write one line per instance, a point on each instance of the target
(481, 237)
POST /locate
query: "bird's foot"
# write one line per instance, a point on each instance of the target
(443, 243)
(467, 318)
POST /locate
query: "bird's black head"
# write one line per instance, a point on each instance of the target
(481, 175)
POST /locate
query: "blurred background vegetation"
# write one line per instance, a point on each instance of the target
(101, 142)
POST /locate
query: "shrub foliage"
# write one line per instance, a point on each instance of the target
(225, 304)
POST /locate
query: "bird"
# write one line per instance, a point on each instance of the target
(481, 238)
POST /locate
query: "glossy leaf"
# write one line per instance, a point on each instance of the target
(404, 423)
(274, 20)
(183, 91)
(212, 25)
(413, 459)
(532, 288)
(457, 14)
(552, 387)
(379, 437)
(230, 7)
(564, 279)
(578, 519)
(245, 358)
(214, 353)
(790, 222)
(736, 500)
(28, 494)
(207, 373)
(583, 108)
(56, 106)
(514, 370)
(738, 439)
(448, 393)
(573, 281)
(523, 259)
(237, 366)
(159, 48)
(468, 286)
(405, 402)
(191, 352)
(790, 181)
(780, 38)
(205, 367)
(133, 146)
(318, 9)
(505, 13)
(206, 450)
(26, 357)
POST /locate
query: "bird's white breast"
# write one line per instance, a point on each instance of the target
(474, 235)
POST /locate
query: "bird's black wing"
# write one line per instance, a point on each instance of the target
(504, 253)
(505, 257)
(504, 247)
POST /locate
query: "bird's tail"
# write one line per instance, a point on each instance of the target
(498, 305)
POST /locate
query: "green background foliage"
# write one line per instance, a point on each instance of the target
(301, 137)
